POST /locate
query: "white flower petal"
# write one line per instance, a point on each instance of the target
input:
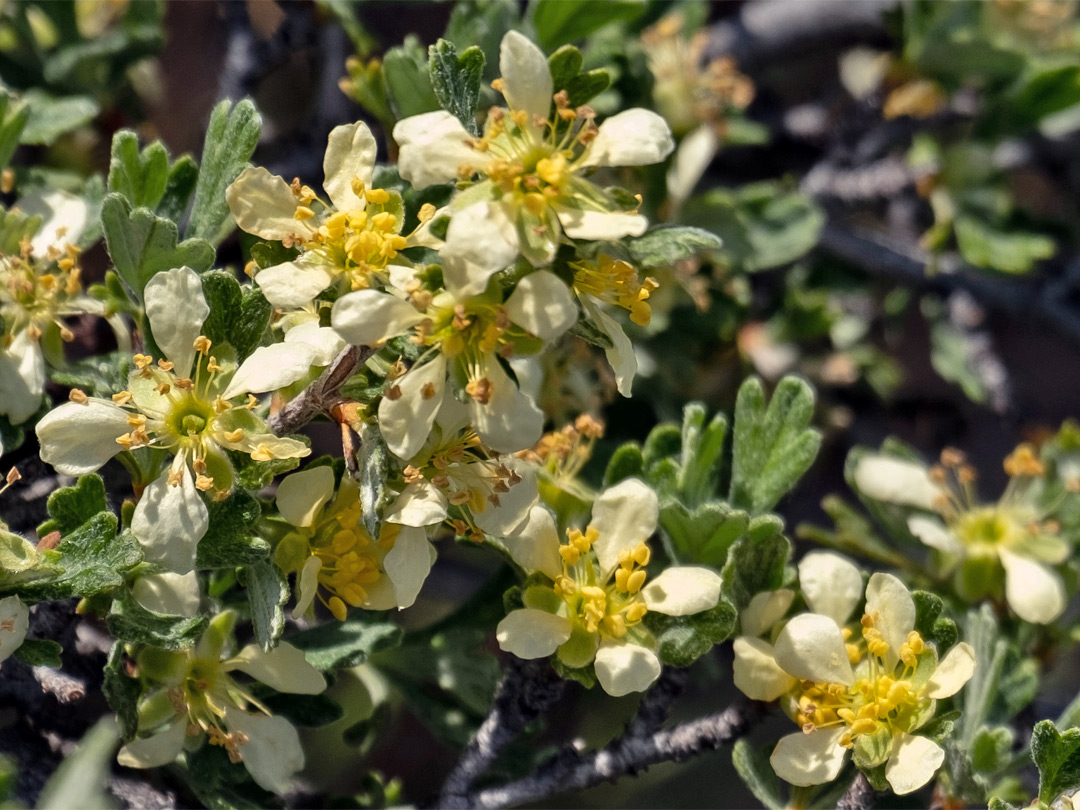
(293, 284)
(534, 545)
(809, 759)
(624, 515)
(934, 534)
(301, 495)
(168, 593)
(1034, 591)
(953, 671)
(432, 147)
(542, 304)
(831, 584)
(408, 564)
(350, 155)
(480, 241)
(419, 504)
(156, 750)
(634, 137)
(531, 633)
(621, 356)
(366, 317)
(169, 522)
(264, 205)
(307, 585)
(913, 763)
(755, 671)
(510, 421)
(176, 308)
(284, 668)
(405, 422)
(526, 76)
(61, 211)
(272, 753)
(890, 604)
(811, 648)
(683, 590)
(514, 505)
(600, 226)
(270, 368)
(22, 378)
(894, 480)
(14, 623)
(692, 158)
(325, 343)
(622, 667)
(765, 610)
(77, 439)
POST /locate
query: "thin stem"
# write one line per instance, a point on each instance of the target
(322, 394)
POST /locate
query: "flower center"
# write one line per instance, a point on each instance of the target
(616, 282)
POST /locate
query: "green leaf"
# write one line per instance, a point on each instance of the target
(238, 316)
(565, 66)
(927, 609)
(752, 765)
(345, 644)
(228, 541)
(142, 244)
(13, 119)
(854, 533)
(626, 462)
(993, 248)
(482, 23)
(39, 652)
(456, 80)
(1001, 804)
(665, 245)
(773, 446)
(71, 507)
(1057, 756)
(122, 692)
(255, 475)
(977, 697)
(140, 177)
(98, 376)
(51, 117)
(681, 640)
(374, 463)
(130, 622)
(1033, 98)
(407, 80)
(231, 138)
(705, 534)
(179, 187)
(754, 566)
(558, 22)
(702, 448)
(267, 591)
(309, 711)
(80, 779)
(991, 752)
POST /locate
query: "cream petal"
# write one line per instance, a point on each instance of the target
(303, 494)
(542, 304)
(692, 158)
(406, 421)
(510, 421)
(622, 667)
(1034, 591)
(156, 750)
(634, 137)
(77, 439)
(350, 155)
(169, 521)
(809, 759)
(514, 505)
(272, 753)
(621, 355)
(419, 504)
(168, 593)
(270, 368)
(367, 317)
(293, 284)
(894, 480)
(890, 604)
(526, 76)
(176, 308)
(831, 584)
(22, 378)
(307, 585)
(683, 590)
(913, 763)
(325, 343)
(14, 624)
(531, 633)
(811, 648)
(61, 211)
(755, 671)
(284, 668)
(764, 610)
(624, 515)
(953, 671)
(534, 545)
(934, 534)
(264, 205)
(480, 241)
(600, 226)
(432, 147)
(408, 564)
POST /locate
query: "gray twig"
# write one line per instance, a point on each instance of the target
(860, 796)
(322, 394)
(656, 704)
(571, 770)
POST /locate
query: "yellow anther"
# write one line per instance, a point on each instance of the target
(124, 441)
(636, 612)
(594, 593)
(164, 388)
(384, 221)
(642, 555)
(570, 554)
(635, 581)
(202, 344)
(166, 365)
(262, 453)
(235, 435)
(337, 607)
(377, 196)
(77, 395)
(615, 626)
(426, 213)
(141, 361)
(303, 212)
(212, 365)
(203, 483)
